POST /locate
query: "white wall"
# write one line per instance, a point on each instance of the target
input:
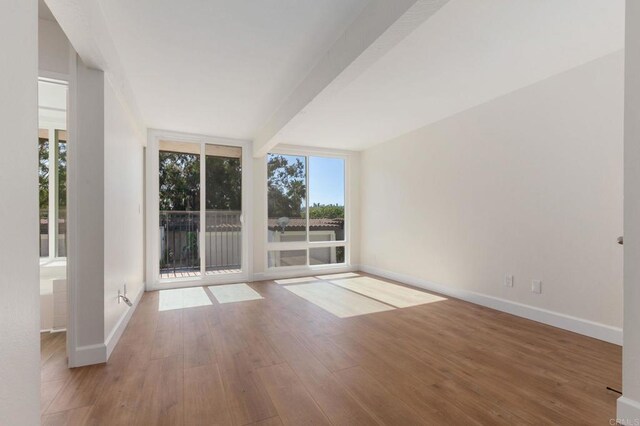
(123, 216)
(629, 404)
(53, 48)
(529, 184)
(19, 284)
(106, 225)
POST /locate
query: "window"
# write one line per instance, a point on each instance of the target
(52, 168)
(306, 210)
(287, 195)
(61, 194)
(43, 180)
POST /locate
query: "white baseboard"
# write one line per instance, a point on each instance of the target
(198, 282)
(53, 330)
(628, 412)
(277, 274)
(100, 352)
(90, 354)
(116, 333)
(567, 322)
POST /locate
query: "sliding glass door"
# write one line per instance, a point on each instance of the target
(223, 233)
(179, 174)
(200, 210)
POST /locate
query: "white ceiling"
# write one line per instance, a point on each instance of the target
(220, 67)
(468, 53)
(226, 67)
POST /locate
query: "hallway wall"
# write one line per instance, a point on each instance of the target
(19, 282)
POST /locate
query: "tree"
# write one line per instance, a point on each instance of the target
(62, 177)
(179, 181)
(286, 186)
(326, 211)
(43, 173)
(224, 183)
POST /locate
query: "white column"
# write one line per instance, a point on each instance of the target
(629, 403)
(85, 233)
(19, 248)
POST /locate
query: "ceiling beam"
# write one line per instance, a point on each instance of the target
(381, 25)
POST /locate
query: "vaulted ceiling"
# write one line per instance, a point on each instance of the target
(332, 73)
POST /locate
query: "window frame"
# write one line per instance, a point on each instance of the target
(307, 245)
(53, 127)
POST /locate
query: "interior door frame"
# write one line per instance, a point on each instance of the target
(152, 201)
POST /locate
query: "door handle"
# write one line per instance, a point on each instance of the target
(620, 240)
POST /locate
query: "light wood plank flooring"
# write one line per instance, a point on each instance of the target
(284, 360)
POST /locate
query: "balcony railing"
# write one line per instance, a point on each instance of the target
(179, 242)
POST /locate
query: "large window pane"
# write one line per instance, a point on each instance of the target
(286, 195)
(326, 255)
(179, 175)
(223, 237)
(43, 183)
(61, 222)
(326, 199)
(278, 258)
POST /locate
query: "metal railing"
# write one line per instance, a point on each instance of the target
(180, 250)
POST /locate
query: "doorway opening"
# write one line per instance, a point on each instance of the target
(52, 179)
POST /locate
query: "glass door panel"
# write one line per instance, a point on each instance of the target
(179, 174)
(43, 181)
(223, 231)
(61, 193)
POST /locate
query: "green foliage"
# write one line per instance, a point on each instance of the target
(43, 173)
(224, 183)
(326, 211)
(62, 176)
(179, 181)
(286, 186)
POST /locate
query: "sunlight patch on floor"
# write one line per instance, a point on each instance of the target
(296, 280)
(392, 294)
(231, 293)
(338, 276)
(340, 302)
(181, 298)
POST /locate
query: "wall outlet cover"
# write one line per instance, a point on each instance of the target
(508, 280)
(536, 286)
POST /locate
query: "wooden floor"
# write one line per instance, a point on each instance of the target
(284, 360)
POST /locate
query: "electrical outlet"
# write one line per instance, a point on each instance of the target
(536, 286)
(508, 280)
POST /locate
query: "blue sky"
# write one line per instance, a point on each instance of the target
(326, 180)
